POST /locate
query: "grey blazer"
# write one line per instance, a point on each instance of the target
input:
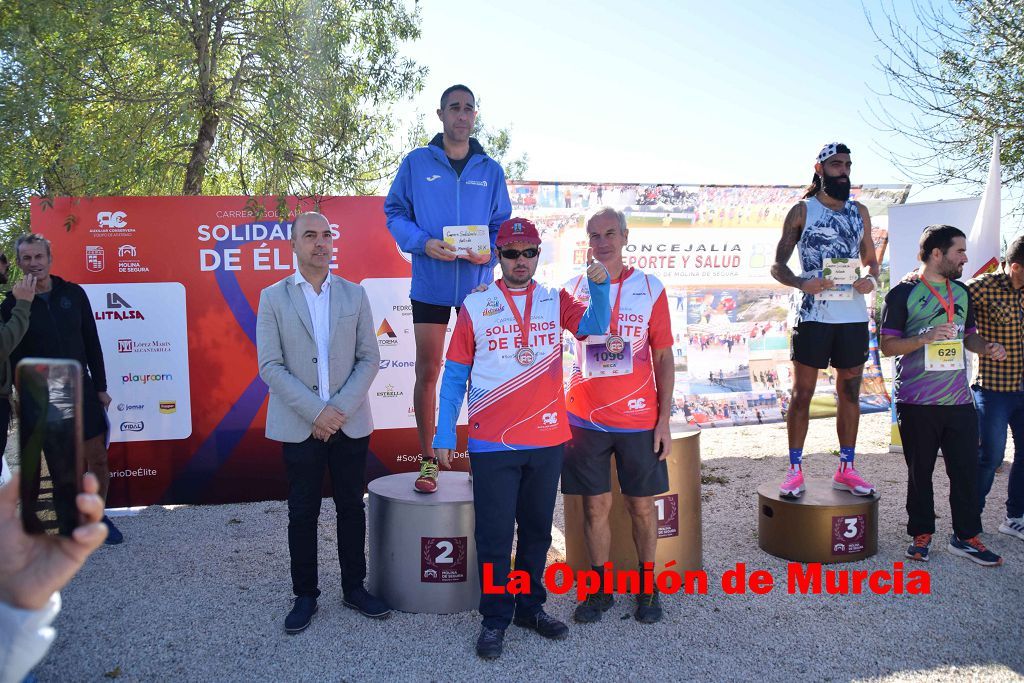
(286, 352)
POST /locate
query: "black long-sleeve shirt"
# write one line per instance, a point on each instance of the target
(61, 326)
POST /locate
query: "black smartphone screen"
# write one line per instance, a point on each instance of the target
(49, 406)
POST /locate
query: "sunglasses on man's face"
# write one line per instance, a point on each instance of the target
(513, 254)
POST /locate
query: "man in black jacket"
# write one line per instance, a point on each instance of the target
(62, 325)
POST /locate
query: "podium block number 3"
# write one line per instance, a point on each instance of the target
(852, 529)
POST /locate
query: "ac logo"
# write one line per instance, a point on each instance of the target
(108, 219)
(636, 404)
(549, 418)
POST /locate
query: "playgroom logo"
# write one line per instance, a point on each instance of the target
(386, 334)
(146, 379)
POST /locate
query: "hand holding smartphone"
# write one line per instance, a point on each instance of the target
(50, 428)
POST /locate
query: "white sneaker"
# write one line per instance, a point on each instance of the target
(1013, 526)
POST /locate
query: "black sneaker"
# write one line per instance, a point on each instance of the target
(114, 535)
(974, 550)
(648, 608)
(301, 615)
(489, 643)
(591, 609)
(366, 604)
(544, 624)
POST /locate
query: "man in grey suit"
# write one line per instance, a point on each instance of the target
(318, 354)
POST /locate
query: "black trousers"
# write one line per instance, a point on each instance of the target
(514, 489)
(954, 429)
(305, 463)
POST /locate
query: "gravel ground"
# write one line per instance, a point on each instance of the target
(200, 593)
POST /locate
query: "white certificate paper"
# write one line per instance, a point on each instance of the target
(466, 237)
(841, 271)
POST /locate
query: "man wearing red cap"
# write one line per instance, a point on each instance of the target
(508, 345)
(832, 234)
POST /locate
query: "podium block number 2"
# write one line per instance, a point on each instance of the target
(443, 560)
(445, 557)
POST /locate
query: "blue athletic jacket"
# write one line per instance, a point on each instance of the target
(428, 195)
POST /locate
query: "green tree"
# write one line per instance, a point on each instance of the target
(954, 73)
(199, 96)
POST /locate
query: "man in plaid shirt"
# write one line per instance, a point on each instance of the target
(998, 303)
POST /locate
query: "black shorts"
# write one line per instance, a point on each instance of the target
(432, 314)
(587, 467)
(841, 345)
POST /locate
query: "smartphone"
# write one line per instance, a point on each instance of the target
(49, 408)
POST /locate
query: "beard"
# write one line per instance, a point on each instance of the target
(837, 187)
(950, 271)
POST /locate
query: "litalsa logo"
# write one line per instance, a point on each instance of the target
(479, 183)
(492, 307)
(389, 392)
(133, 426)
(146, 379)
(115, 304)
(386, 334)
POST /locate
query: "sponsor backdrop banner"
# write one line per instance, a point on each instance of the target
(175, 282)
(713, 247)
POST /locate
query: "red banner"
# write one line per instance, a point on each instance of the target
(223, 255)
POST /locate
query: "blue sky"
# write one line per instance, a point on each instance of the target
(687, 92)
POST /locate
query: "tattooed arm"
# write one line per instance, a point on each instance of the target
(791, 230)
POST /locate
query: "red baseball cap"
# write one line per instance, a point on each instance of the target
(517, 230)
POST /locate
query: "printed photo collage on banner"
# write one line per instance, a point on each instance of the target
(175, 283)
(713, 247)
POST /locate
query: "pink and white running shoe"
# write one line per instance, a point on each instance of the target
(850, 480)
(793, 485)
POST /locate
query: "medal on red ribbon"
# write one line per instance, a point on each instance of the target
(525, 356)
(615, 343)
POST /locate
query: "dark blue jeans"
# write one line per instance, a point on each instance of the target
(510, 488)
(996, 410)
(305, 464)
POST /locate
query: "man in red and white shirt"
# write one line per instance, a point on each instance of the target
(508, 345)
(619, 400)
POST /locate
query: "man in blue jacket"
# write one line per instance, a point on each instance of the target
(450, 182)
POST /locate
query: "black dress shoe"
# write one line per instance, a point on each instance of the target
(489, 643)
(367, 605)
(300, 616)
(544, 624)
